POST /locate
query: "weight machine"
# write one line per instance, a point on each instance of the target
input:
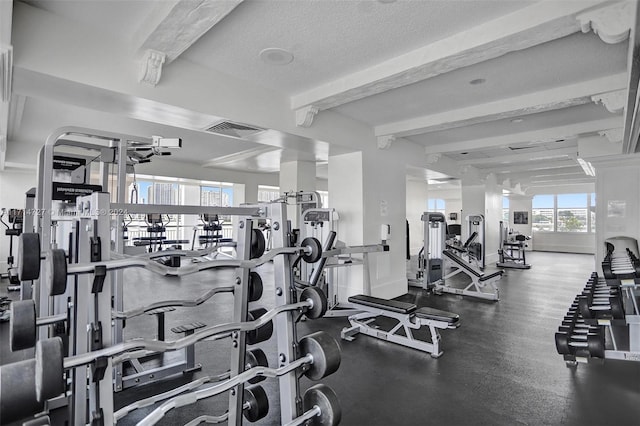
(15, 217)
(512, 249)
(430, 260)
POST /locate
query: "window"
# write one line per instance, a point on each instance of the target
(324, 198)
(505, 209)
(218, 195)
(564, 213)
(572, 212)
(268, 193)
(543, 213)
(436, 205)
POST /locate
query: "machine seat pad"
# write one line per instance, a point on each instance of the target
(387, 305)
(437, 315)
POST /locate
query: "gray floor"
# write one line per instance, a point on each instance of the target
(499, 368)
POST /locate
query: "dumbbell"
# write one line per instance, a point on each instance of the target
(310, 251)
(23, 324)
(591, 307)
(572, 343)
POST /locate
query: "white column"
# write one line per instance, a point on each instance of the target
(617, 201)
(297, 176)
(483, 195)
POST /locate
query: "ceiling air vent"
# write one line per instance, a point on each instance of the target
(235, 130)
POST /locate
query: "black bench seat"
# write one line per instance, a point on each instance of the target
(387, 305)
(437, 315)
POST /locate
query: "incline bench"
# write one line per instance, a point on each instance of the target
(408, 315)
(479, 279)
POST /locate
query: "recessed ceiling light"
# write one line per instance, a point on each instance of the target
(276, 56)
(477, 81)
(517, 120)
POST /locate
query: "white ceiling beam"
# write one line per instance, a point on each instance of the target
(523, 156)
(534, 168)
(172, 28)
(539, 23)
(532, 103)
(552, 133)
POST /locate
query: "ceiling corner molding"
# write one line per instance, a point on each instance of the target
(611, 23)
(305, 115)
(433, 158)
(6, 70)
(385, 142)
(151, 67)
(613, 135)
(613, 101)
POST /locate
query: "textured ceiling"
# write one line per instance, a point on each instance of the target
(332, 39)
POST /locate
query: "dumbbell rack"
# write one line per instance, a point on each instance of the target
(605, 308)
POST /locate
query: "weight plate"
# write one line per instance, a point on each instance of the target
(22, 326)
(255, 286)
(258, 403)
(316, 250)
(258, 244)
(595, 343)
(262, 333)
(617, 307)
(323, 397)
(58, 265)
(256, 358)
(318, 299)
(562, 344)
(583, 305)
(50, 380)
(28, 261)
(325, 352)
(18, 391)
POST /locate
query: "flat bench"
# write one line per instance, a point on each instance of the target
(408, 316)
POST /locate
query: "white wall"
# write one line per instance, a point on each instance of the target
(416, 205)
(618, 201)
(13, 186)
(567, 242)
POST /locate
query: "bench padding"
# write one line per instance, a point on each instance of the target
(437, 315)
(387, 305)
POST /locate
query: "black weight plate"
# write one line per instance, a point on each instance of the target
(258, 244)
(562, 344)
(256, 358)
(50, 380)
(18, 391)
(323, 397)
(22, 327)
(617, 307)
(258, 403)
(326, 354)
(255, 286)
(316, 250)
(583, 305)
(595, 343)
(319, 301)
(28, 256)
(262, 333)
(58, 264)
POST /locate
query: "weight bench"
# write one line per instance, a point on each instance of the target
(408, 315)
(479, 279)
